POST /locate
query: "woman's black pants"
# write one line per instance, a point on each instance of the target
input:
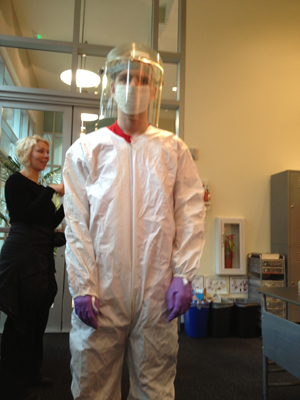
(22, 353)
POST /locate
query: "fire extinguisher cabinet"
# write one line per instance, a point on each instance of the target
(230, 241)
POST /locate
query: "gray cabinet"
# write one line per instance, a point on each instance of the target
(285, 227)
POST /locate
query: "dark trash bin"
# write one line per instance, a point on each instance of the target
(220, 318)
(245, 319)
(196, 320)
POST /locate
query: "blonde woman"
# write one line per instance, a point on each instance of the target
(27, 280)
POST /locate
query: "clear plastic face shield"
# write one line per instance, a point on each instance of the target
(132, 83)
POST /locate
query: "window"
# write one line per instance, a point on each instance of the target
(159, 23)
(5, 78)
(15, 124)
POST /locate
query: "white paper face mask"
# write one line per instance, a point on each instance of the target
(134, 101)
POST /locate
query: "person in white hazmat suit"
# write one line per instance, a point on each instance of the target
(135, 233)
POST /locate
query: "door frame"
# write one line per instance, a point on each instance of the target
(67, 102)
(55, 315)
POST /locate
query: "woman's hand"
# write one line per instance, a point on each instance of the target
(59, 188)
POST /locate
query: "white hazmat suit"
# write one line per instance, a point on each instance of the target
(135, 218)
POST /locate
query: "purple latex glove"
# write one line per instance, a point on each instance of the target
(179, 297)
(86, 308)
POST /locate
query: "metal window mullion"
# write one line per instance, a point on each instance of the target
(93, 50)
(2, 69)
(55, 46)
(181, 66)
(8, 130)
(17, 120)
(53, 136)
(1, 123)
(35, 44)
(25, 124)
(155, 24)
(76, 33)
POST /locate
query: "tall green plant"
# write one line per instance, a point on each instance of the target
(8, 167)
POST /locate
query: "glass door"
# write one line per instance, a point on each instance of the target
(18, 120)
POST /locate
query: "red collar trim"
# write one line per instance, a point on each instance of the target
(118, 131)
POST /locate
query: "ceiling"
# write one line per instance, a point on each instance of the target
(106, 22)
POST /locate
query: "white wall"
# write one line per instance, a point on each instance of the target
(242, 107)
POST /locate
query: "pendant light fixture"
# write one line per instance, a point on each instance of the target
(84, 78)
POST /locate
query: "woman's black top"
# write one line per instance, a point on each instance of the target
(31, 203)
(28, 249)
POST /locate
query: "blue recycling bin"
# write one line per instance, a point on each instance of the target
(196, 320)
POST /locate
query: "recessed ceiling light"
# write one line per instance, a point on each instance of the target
(84, 78)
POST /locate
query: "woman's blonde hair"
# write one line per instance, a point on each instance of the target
(24, 148)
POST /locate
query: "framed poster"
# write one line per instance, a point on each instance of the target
(216, 284)
(238, 284)
(198, 282)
